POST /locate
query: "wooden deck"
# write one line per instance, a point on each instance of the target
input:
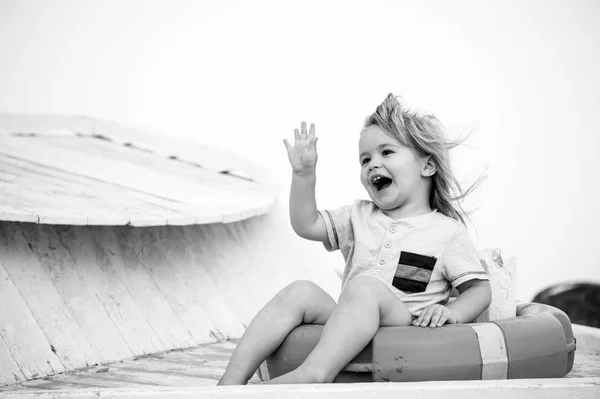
(203, 365)
(84, 171)
(75, 296)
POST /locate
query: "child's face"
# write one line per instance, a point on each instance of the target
(391, 172)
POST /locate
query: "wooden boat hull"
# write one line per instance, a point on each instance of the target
(538, 343)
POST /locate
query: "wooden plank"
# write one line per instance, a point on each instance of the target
(90, 255)
(38, 179)
(588, 338)
(184, 149)
(147, 163)
(58, 197)
(65, 216)
(64, 337)
(100, 331)
(534, 389)
(140, 374)
(36, 188)
(59, 201)
(177, 173)
(10, 373)
(122, 254)
(15, 213)
(26, 343)
(587, 364)
(149, 244)
(142, 172)
(202, 365)
(199, 366)
(191, 270)
(235, 243)
(265, 234)
(218, 264)
(259, 238)
(150, 173)
(189, 172)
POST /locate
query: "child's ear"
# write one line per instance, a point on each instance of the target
(429, 168)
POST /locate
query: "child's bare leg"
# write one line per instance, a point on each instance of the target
(365, 304)
(299, 302)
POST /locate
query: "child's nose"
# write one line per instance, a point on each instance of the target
(374, 164)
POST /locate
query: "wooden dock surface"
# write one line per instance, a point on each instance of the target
(203, 365)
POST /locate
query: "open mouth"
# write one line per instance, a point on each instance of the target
(380, 182)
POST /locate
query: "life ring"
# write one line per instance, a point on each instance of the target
(537, 343)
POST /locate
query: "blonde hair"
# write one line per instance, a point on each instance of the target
(424, 134)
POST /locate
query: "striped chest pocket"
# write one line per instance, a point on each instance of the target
(413, 272)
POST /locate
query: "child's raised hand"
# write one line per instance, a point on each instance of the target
(435, 316)
(303, 154)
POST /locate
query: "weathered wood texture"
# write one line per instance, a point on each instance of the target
(203, 365)
(580, 388)
(139, 137)
(75, 296)
(192, 261)
(83, 171)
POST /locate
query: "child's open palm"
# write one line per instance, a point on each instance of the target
(303, 154)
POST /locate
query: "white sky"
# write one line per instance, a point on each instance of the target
(521, 75)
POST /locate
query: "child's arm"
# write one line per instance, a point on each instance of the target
(305, 219)
(474, 297)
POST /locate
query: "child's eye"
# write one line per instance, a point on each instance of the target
(386, 152)
(364, 161)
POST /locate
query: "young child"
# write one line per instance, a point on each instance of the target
(404, 250)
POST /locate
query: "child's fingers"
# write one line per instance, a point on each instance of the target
(296, 135)
(435, 317)
(442, 320)
(311, 132)
(303, 130)
(440, 317)
(313, 143)
(287, 144)
(425, 317)
(419, 319)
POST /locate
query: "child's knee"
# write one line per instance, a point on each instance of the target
(306, 301)
(300, 291)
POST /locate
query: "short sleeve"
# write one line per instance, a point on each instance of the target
(339, 227)
(461, 260)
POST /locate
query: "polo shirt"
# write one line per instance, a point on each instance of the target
(419, 258)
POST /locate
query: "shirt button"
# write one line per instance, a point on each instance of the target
(381, 261)
(388, 244)
(393, 229)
